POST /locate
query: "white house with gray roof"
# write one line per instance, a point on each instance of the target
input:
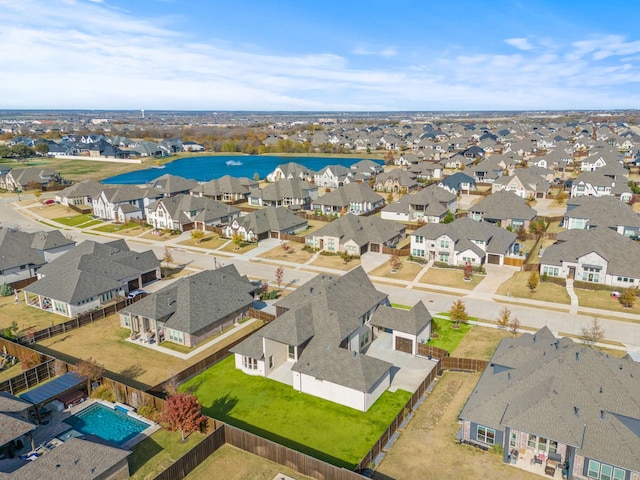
(288, 192)
(576, 408)
(225, 189)
(590, 212)
(186, 212)
(463, 240)
(81, 193)
(597, 184)
(429, 205)
(355, 198)
(192, 308)
(317, 341)
(597, 255)
(505, 209)
(269, 221)
(90, 275)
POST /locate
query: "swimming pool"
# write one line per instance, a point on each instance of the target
(114, 426)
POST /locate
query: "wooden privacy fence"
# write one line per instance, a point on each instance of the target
(292, 238)
(29, 378)
(260, 315)
(17, 350)
(401, 252)
(463, 364)
(297, 461)
(77, 322)
(426, 350)
(514, 261)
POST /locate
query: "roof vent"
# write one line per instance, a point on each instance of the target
(534, 339)
(508, 375)
(576, 410)
(600, 389)
(602, 416)
(577, 356)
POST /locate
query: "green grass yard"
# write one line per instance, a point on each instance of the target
(75, 220)
(449, 337)
(325, 430)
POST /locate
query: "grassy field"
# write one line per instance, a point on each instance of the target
(449, 337)
(157, 452)
(276, 411)
(407, 271)
(480, 342)
(117, 227)
(105, 341)
(231, 463)
(244, 247)
(516, 286)
(27, 317)
(427, 447)
(602, 299)
(295, 255)
(74, 221)
(450, 277)
(336, 262)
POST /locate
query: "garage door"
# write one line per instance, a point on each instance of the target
(404, 345)
(494, 259)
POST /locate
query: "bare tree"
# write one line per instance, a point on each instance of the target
(504, 317)
(279, 275)
(593, 333)
(514, 325)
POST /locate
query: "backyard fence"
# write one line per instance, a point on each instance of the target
(287, 236)
(77, 322)
(463, 364)
(401, 252)
(29, 378)
(426, 350)
(260, 315)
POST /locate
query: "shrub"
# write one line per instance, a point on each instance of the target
(5, 290)
(29, 360)
(148, 411)
(103, 392)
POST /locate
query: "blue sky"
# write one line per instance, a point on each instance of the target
(347, 55)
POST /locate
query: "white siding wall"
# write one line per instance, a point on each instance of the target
(379, 389)
(279, 352)
(240, 365)
(332, 392)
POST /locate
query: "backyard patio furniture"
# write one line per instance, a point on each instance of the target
(549, 470)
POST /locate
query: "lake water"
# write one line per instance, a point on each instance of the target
(207, 168)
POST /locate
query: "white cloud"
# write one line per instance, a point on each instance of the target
(84, 54)
(520, 43)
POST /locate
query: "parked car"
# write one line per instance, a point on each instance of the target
(136, 293)
(49, 201)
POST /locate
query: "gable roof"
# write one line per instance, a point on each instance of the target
(268, 219)
(361, 230)
(564, 391)
(411, 321)
(285, 188)
(503, 205)
(226, 184)
(192, 304)
(21, 248)
(348, 194)
(602, 211)
(168, 184)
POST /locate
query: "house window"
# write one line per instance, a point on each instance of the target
(270, 361)
(419, 239)
(364, 339)
(590, 274)
(127, 320)
(512, 440)
(250, 363)
(551, 271)
(444, 257)
(486, 435)
(444, 243)
(175, 336)
(602, 471)
(418, 252)
(291, 352)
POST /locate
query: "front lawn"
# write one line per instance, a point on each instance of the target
(210, 241)
(156, 453)
(116, 227)
(273, 410)
(407, 270)
(244, 247)
(602, 299)
(296, 254)
(450, 277)
(516, 286)
(449, 337)
(74, 221)
(335, 262)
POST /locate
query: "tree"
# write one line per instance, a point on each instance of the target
(183, 412)
(522, 233)
(533, 281)
(197, 235)
(21, 150)
(504, 318)
(42, 148)
(5, 290)
(628, 298)
(458, 313)
(286, 248)
(395, 262)
(593, 333)
(279, 275)
(256, 177)
(448, 218)
(30, 359)
(389, 197)
(33, 185)
(514, 325)
(90, 369)
(37, 192)
(467, 270)
(236, 238)
(167, 257)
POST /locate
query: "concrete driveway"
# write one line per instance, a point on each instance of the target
(408, 371)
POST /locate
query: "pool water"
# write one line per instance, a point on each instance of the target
(111, 425)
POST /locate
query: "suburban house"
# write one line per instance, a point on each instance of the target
(186, 212)
(505, 209)
(22, 253)
(407, 159)
(426, 171)
(81, 193)
(591, 212)
(333, 176)
(14, 420)
(356, 198)
(90, 275)
(523, 183)
(367, 168)
(458, 183)
(225, 189)
(560, 403)
(193, 308)
(409, 328)
(291, 170)
(192, 147)
(316, 343)
(123, 202)
(597, 255)
(487, 171)
(356, 235)
(288, 192)
(429, 205)
(395, 181)
(265, 223)
(168, 185)
(596, 184)
(457, 161)
(28, 178)
(463, 240)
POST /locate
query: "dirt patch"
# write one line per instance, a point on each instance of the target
(480, 343)
(407, 271)
(428, 449)
(450, 277)
(336, 262)
(295, 253)
(53, 211)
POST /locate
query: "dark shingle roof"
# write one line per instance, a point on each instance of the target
(407, 321)
(268, 219)
(362, 230)
(503, 205)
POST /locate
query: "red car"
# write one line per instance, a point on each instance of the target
(49, 202)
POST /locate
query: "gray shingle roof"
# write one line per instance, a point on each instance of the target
(22, 248)
(503, 205)
(602, 211)
(226, 185)
(348, 194)
(168, 184)
(398, 319)
(362, 230)
(562, 391)
(286, 188)
(279, 219)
